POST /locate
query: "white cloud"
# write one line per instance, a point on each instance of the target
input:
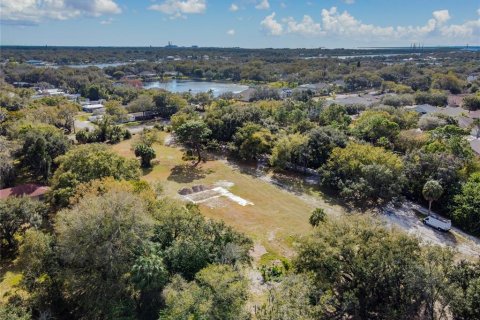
(107, 21)
(263, 5)
(233, 7)
(178, 8)
(334, 23)
(231, 32)
(345, 24)
(306, 27)
(441, 16)
(33, 11)
(272, 26)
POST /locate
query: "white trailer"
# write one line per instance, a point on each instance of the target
(438, 223)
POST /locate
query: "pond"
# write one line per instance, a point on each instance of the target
(195, 87)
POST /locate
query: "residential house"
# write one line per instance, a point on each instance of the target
(31, 190)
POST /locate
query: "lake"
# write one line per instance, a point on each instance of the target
(195, 87)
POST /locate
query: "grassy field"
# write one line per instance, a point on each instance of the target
(277, 216)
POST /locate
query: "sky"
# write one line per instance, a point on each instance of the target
(240, 23)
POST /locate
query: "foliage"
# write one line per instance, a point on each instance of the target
(190, 242)
(318, 216)
(290, 151)
(472, 102)
(465, 278)
(146, 154)
(291, 300)
(422, 166)
(252, 141)
(321, 142)
(466, 212)
(366, 271)
(39, 263)
(194, 135)
(363, 174)
(7, 162)
(16, 216)
(448, 82)
(372, 125)
(98, 240)
(334, 115)
(104, 132)
(218, 292)
(433, 98)
(41, 145)
(432, 191)
(12, 312)
(85, 163)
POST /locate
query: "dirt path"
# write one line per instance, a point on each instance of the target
(405, 219)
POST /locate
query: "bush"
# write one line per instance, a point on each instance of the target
(471, 103)
(318, 215)
(433, 98)
(146, 153)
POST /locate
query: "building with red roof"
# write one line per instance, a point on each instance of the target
(31, 190)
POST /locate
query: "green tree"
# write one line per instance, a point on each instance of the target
(365, 271)
(432, 191)
(291, 300)
(373, 125)
(41, 145)
(219, 292)
(116, 111)
(290, 150)
(318, 216)
(465, 279)
(85, 163)
(98, 241)
(190, 242)
(364, 175)
(252, 141)
(17, 215)
(321, 142)
(38, 260)
(194, 135)
(335, 115)
(167, 104)
(142, 104)
(146, 154)
(471, 103)
(466, 212)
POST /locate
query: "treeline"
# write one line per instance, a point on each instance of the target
(80, 55)
(357, 74)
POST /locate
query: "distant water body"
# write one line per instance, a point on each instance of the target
(179, 86)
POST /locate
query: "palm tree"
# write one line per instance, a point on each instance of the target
(432, 191)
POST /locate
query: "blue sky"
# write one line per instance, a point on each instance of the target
(242, 23)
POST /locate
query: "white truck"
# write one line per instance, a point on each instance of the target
(438, 223)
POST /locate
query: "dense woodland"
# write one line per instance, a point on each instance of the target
(108, 245)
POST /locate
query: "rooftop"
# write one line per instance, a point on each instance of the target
(29, 190)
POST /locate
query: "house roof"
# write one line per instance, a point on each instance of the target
(475, 144)
(29, 190)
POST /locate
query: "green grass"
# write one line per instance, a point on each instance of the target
(276, 219)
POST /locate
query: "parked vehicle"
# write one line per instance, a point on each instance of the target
(438, 223)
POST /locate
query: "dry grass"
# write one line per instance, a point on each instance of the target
(277, 216)
(10, 278)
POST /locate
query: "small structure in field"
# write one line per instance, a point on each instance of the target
(200, 194)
